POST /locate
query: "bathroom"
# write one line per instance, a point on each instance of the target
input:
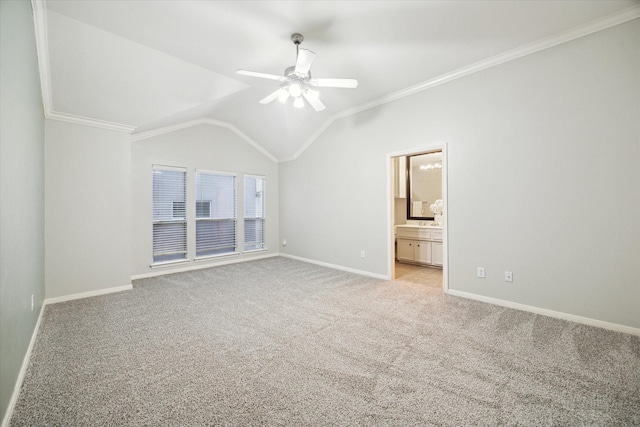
(418, 217)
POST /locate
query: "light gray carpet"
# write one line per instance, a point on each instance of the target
(281, 342)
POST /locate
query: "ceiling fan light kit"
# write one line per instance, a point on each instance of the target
(297, 82)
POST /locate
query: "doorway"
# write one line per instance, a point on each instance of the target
(417, 215)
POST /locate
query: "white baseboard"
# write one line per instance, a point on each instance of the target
(203, 264)
(338, 267)
(27, 356)
(544, 312)
(88, 294)
(23, 371)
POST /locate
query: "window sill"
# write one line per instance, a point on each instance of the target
(168, 263)
(210, 257)
(256, 250)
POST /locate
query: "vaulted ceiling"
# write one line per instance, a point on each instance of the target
(155, 63)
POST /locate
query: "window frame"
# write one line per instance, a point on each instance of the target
(215, 220)
(263, 218)
(156, 223)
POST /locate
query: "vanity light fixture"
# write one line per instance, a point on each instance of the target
(430, 166)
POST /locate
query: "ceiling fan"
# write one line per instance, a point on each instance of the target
(297, 82)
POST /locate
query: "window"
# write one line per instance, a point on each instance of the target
(254, 212)
(169, 216)
(215, 213)
(178, 210)
(203, 208)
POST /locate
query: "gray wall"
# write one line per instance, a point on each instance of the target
(22, 190)
(200, 147)
(88, 209)
(535, 147)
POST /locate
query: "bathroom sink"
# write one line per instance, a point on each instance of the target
(418, 226)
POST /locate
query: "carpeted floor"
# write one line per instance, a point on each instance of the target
(282, 342)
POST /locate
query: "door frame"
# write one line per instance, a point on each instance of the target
(391, 265)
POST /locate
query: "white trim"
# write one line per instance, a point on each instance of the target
(311, 140)
(175, 127)
(445, 217)
(172, 262)
(391, 235)
(253, 175)
(212, 172)
(44, 64)
(156, 167)
(81, 295)
(252, 251)
(442, 147)
(87, 121)
(566, 36)
(545, 312)
(203, 121)
(519, 52)
(42, 49)
(338, 267)
(216, 256)
(23, 371)
(40, 21)
(201, 265)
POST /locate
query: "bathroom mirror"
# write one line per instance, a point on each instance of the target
(424, 184)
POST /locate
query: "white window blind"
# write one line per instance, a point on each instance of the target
(169, 214)
(215, 213)
(254, 212)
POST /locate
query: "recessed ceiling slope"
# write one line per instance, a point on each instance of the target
(151, 64)
(97, 74)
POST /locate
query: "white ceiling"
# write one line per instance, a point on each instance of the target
(154, 63)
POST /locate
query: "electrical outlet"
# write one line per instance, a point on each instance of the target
(284, 242)
(508, 276)
(31, 302)
(481, 272)
(361, 254)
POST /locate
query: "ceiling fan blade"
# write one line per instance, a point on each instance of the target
(305, 59)
(314, 101)
(261, 75)
(343, 83)
(271, 97)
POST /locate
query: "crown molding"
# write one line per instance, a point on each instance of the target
(42, 50)
(42, 46)
(310, 141)
(575, 33)
(204, 121)
(572, 34)
(88, 121)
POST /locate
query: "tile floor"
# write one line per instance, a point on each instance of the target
(431, 277)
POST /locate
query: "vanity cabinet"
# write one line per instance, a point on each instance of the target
(419, 245)
(414, 251)
(436, 253)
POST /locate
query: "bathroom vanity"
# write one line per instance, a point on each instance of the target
(419, 244)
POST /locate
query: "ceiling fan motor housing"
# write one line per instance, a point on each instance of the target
(290, 72)
(297, 38)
